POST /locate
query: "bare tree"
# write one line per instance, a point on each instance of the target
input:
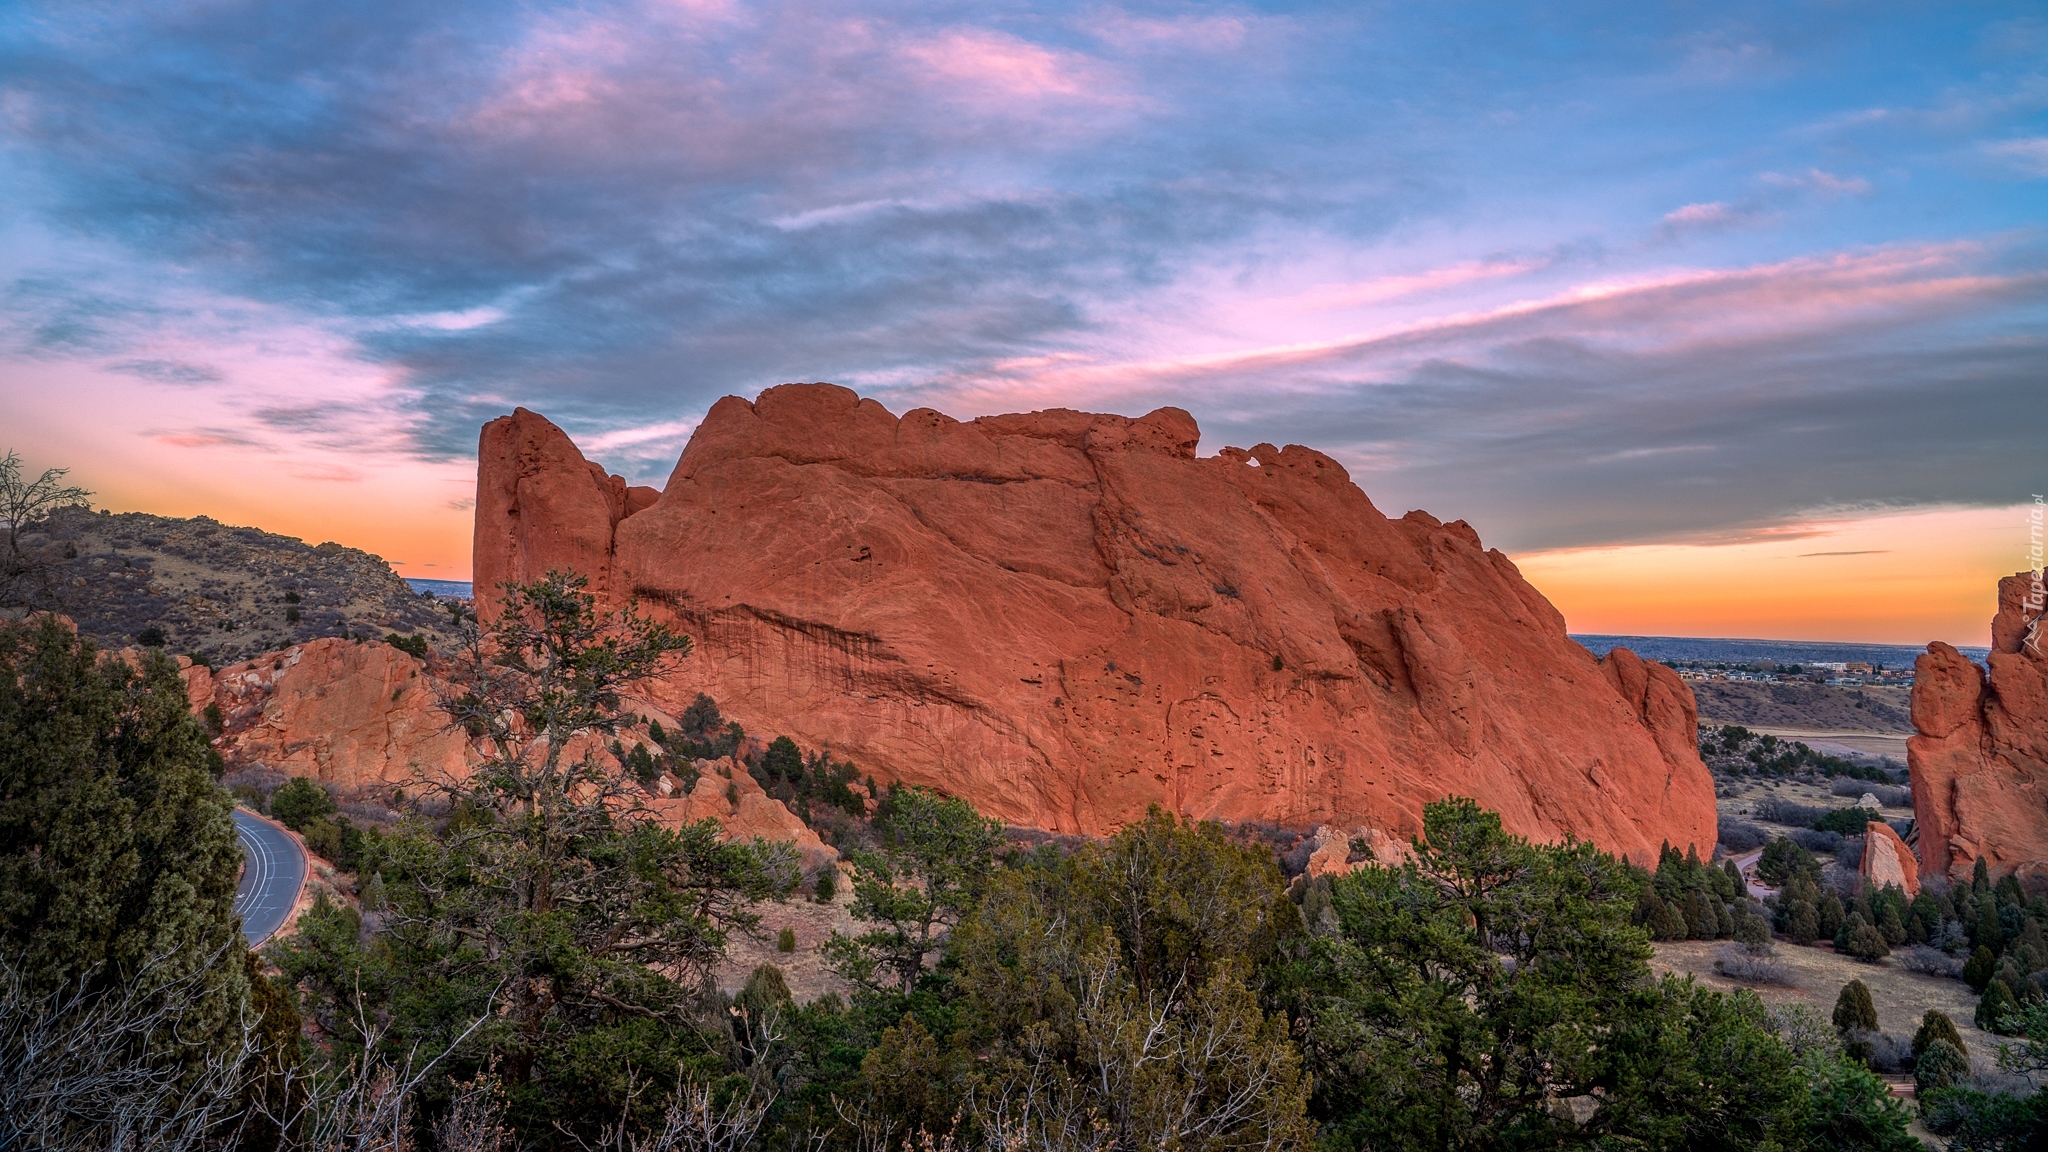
(82, 1067)
(24, 505)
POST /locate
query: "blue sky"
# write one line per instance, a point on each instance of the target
(1592, 275)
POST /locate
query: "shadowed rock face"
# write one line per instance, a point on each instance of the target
(1980, 758)
(1064, 617)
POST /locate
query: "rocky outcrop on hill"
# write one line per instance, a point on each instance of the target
(1064, 617)
(1980, 758)
(223, 592)
(347, 714)
(1887, 860)
(364, 717)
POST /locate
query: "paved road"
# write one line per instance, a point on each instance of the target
(274, 869)
(1747, 864)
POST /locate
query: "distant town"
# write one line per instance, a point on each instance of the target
(1842, 674)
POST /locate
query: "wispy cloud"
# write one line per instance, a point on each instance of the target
(1511, 264)
(2029, 155)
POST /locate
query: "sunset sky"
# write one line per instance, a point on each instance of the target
(1721, 319)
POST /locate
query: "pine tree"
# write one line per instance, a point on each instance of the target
(1936, 1026)
(1980, 878)
(1978, 970)
(1994, 1006)
(117, 854)
(1854, 1009)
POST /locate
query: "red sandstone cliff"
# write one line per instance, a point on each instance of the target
(1064, 617)
(1980, 759)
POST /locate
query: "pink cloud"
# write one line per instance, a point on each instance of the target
(2029, 155)
(1382, 288)
(1000, 66)
(1669, 312)
(1819, 181)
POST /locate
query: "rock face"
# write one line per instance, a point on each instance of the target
(726, 792)
(1887, 860)
(364, 716)
(1064, 617)
(347, 714)
(1980, 758)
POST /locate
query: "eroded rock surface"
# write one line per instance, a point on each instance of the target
(1065, 617)
(1980, 756)
(1887, 860)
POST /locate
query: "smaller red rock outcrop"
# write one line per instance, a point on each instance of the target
(1887, 860)
(359, 716)
(726, 792)
(347, 714)
(1980, 757)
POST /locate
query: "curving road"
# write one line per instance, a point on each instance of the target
(273, 871)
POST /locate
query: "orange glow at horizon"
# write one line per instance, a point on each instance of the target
(1901, 578)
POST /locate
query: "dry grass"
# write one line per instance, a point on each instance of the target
(1901, 997)
(804, 968)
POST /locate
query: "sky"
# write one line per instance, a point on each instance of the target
(1721, 319)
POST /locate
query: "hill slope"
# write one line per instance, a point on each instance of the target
(220, 591)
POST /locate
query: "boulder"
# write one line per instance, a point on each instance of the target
(1887, 860)
(1979, 758)
(1064, 618)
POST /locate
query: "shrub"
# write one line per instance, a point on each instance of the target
(1929, 961)
(300, 802)
(151, 637)
(1973, 1120)
(785, 940)
(1846, 821)
(1939, 1065)
(1754, 966)
(1937, 1026)
(1814, 840)
(1781, 811)
(1854, 1010)
(1889, 795)
(414, 645)
(828, 884)
(1740, 835)
(1888, 1053)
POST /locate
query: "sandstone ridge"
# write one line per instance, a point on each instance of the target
(1065, 617)
(1979, 759)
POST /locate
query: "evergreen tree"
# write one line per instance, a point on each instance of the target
(1469, 994)
(936, 854)
(550, 904)
(118, 859)
(1994, 1006)
(1979, 969)
(1854, 1010)
(1936, 1026)
(1939, 1065)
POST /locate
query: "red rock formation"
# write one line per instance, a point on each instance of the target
(545, 507)
(726, 792)
(348, 714)
(1064, 617)
(1887, 860)
(1980, 758)
(365, 716)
